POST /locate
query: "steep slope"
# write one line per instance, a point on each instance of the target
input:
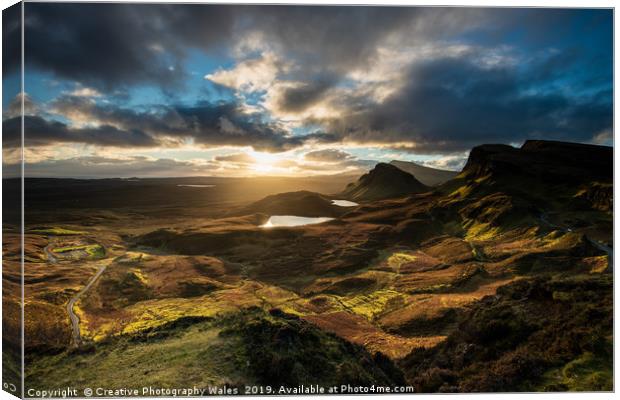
(503, 187)
(543, 213)
(383, 182)
(542, 334)
(426, 175)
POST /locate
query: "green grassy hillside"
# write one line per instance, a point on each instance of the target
(235, 349)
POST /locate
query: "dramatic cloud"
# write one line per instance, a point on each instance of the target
(205, 124)
(128, 43)
(453, 104)
(41, 132)
(120, 44)
(307, 83)
(250, 75)
(302, 96)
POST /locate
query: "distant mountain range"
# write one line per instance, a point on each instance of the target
(426, 175)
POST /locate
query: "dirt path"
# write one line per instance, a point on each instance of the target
(75, 320)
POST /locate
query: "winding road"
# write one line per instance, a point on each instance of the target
(75, 320)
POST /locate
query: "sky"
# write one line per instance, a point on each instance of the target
(120, 90)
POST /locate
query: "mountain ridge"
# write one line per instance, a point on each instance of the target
(541, 159)
(382, 182)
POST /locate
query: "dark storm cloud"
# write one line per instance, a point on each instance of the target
(118, 44)
(444, 104)
(159, 125)
(11, 39)
(40, 132)
(335, 38)
(448, 105)
(225, 124)
(308, 94)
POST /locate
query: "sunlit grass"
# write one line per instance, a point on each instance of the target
(57, 231)
(93, 250)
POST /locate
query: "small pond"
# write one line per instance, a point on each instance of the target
(293, 220)
(344, 203)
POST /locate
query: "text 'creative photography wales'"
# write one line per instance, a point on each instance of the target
(228, 199)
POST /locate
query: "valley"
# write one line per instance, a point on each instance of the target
(496, 279)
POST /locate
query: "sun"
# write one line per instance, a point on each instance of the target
(264, 162)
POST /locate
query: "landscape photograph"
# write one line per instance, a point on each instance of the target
(206, 199)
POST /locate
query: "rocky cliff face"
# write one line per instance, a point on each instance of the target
(548, 161)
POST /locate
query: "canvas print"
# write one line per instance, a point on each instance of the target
(207, 199)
